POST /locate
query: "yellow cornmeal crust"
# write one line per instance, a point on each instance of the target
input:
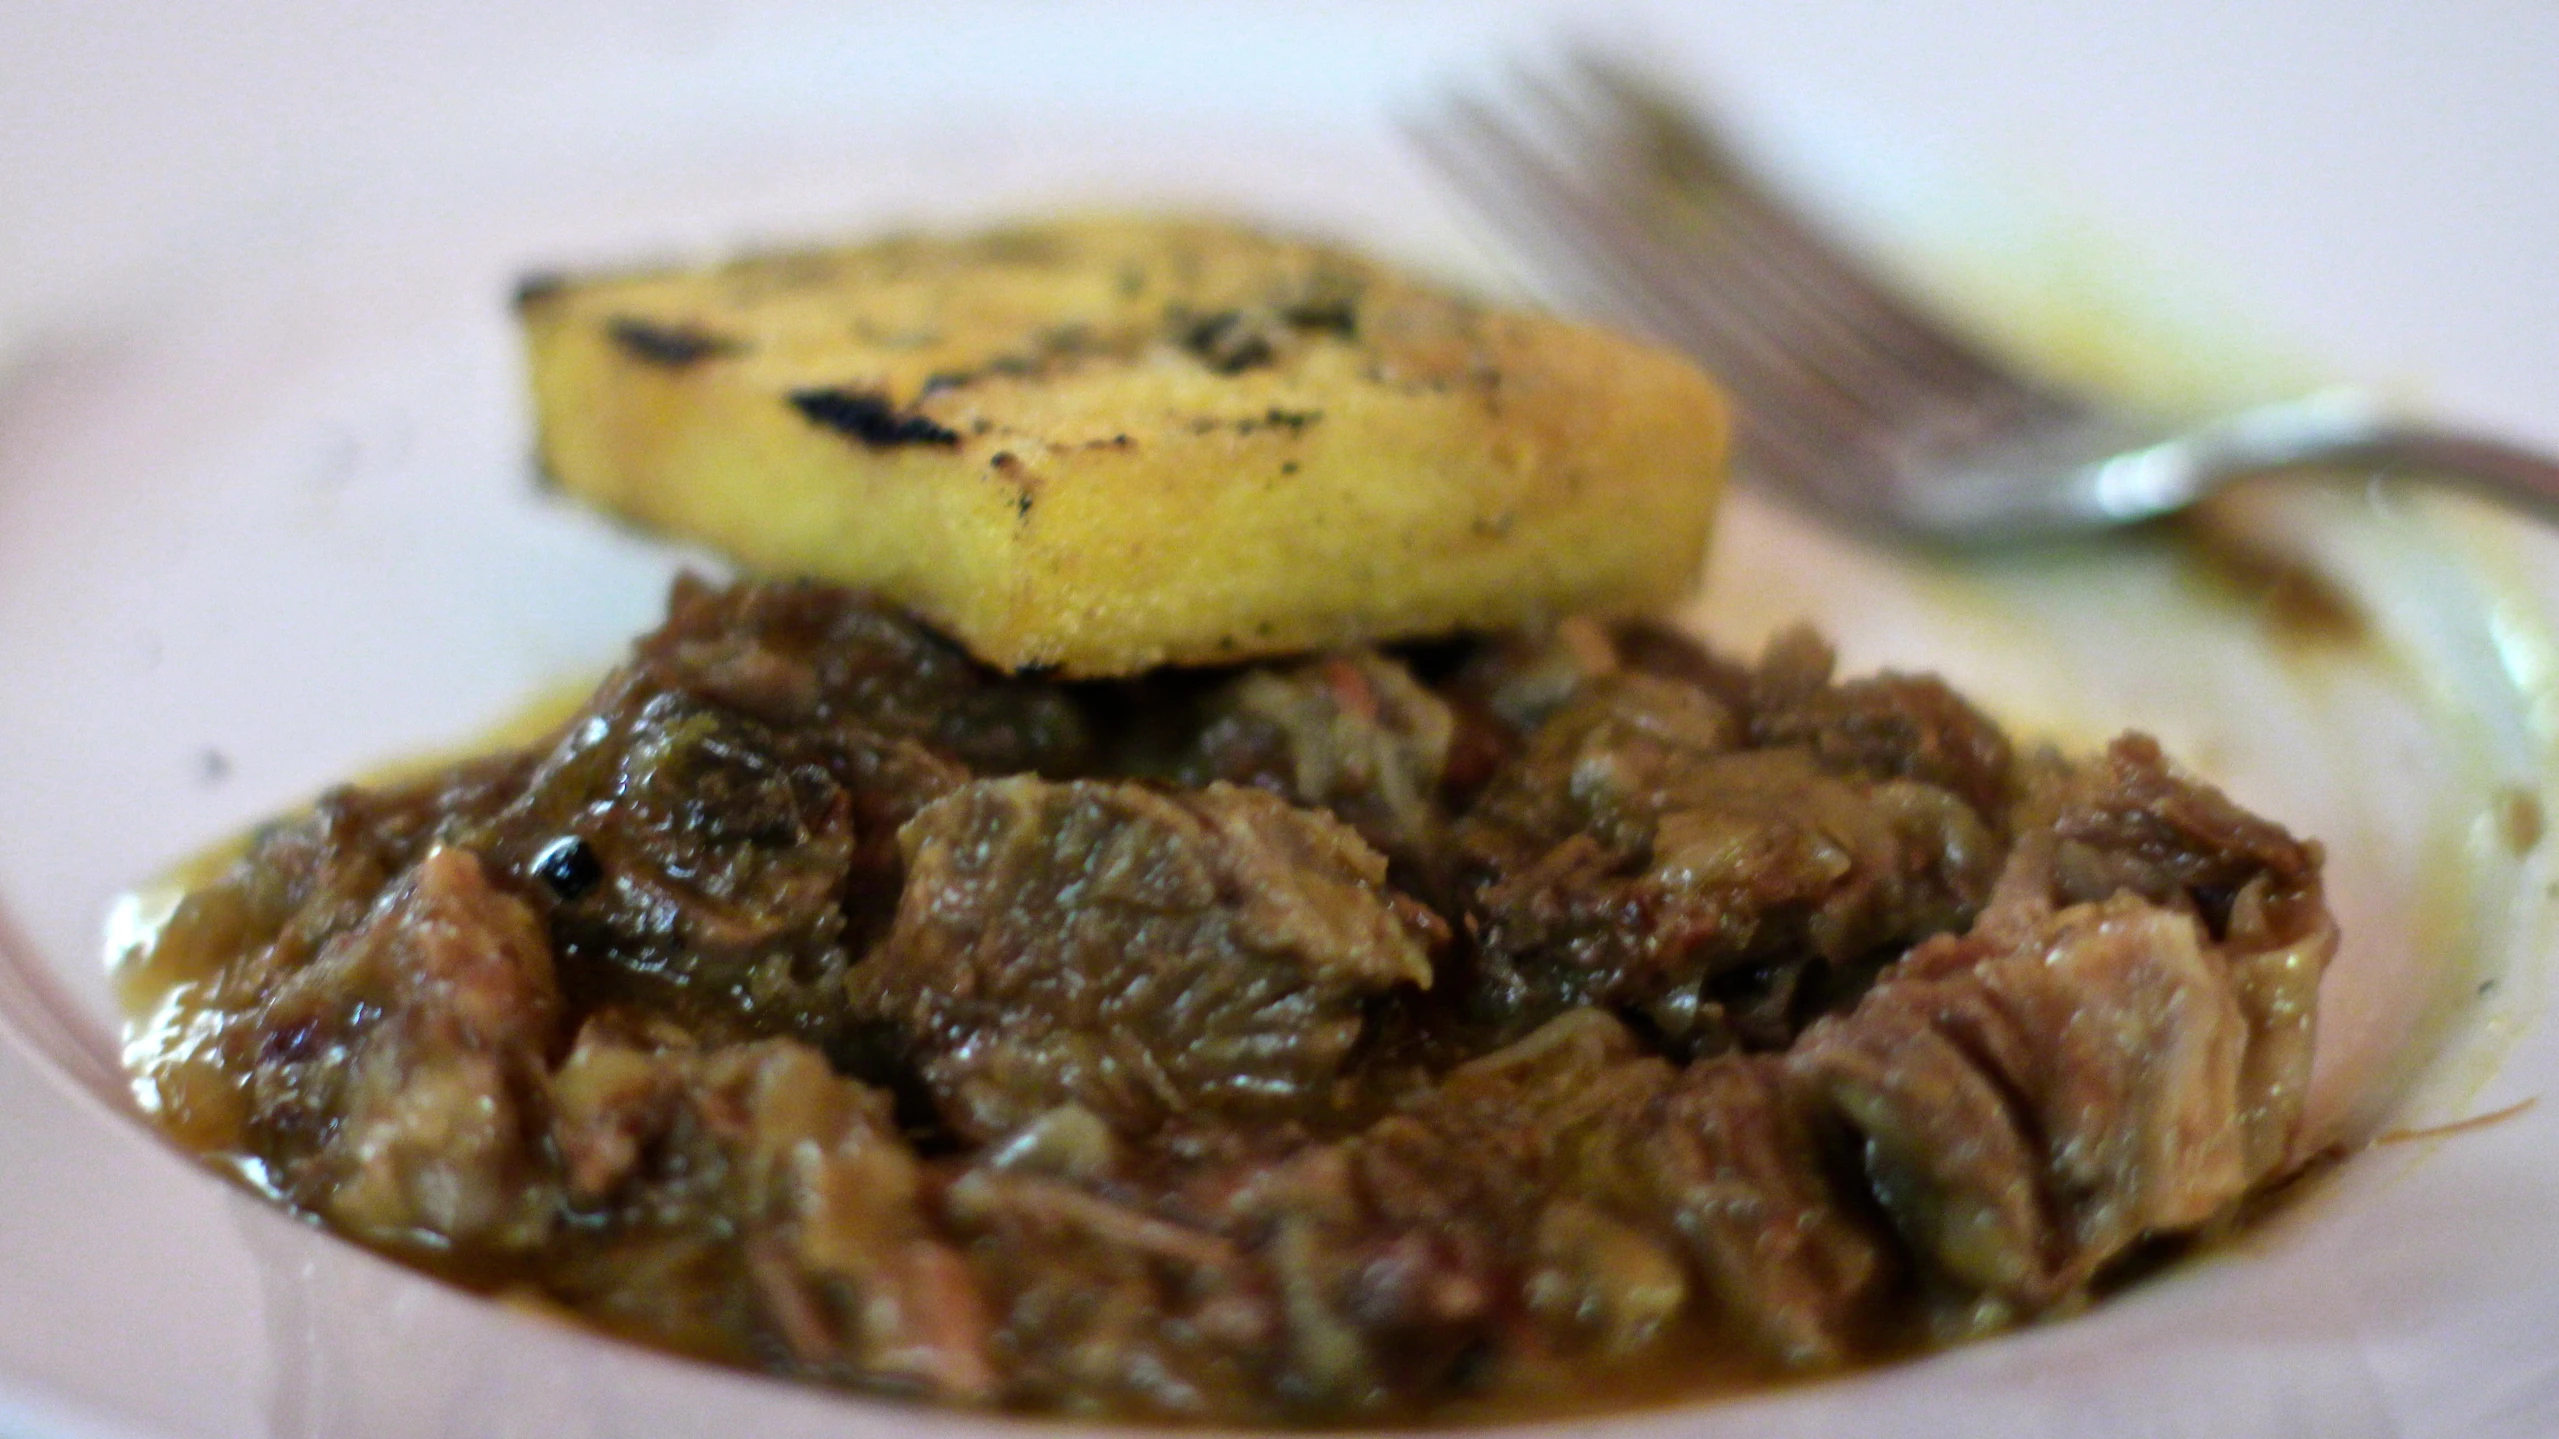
(1103, 444)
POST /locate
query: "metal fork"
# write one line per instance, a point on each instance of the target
(1852, 396)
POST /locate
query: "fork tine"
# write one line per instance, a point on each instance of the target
(1687, 267)
(1850, 395)
(1801, 425)
(1846, 391)
(1580, 223)
(1782, 437)
(1906, 376)
(1510, 179)
(1687, 165)
(1728, 290)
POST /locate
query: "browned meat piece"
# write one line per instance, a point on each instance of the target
(1270, 1288)
(706, 860)
(1104, 1305)
(744, 1202)
(1890, 726)
(1734, 1160)
(1717, 1169)
(1635, 856)
(1365, 1276)
(2276, 951)
(1654, 648)
(806, 654)
(1505, 687)
(395, 1082)
(2032, 1108)
(1601, 761)
(1398, 1252)
(717, 828)
(1946, 1153)
(1353, 733)
(1144, 954)
(1520, 681)
(2129, 822)
(305, 880)
(1566, 1195)
(1362, 1276)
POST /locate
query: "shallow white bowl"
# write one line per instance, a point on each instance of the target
(265, 520)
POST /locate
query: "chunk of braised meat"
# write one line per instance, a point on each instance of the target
(1146, 954)
(1264, 1285)
(717, 828)
(1519, 681)
(1525, 677)
(804, 654)
(1353, 733)
(1600, 1289)
(2030, 1114)
(1567, 1200)
(305, 880)
(395, 1082)
(2077, 1074)
(1657, 1192)
(1655, 648)
(1636, 856)
(2129, 822)
(1105, 1302)
(1508, 685)
(1401, 1252)
(745, 1202)
(1886, 726)
(1736, 1158)
(708, 861)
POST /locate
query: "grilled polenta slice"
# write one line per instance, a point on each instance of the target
(1100, 445)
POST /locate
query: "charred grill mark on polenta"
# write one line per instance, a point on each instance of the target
(871, 419)
(1279, 419)
(537, 287)
(1232, 341)
(674, 346)
(1009, 467)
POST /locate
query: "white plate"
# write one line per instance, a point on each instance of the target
(264, 521)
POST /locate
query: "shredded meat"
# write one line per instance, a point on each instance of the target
(1893, 726)
(399, 1088)
(1353, 733)
(1639, 855)
(1144, 954)
(1486, 1022)
(746, 1202)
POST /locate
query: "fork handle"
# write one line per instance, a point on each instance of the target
(2334, 428)
(2349, 428)
(2527, 479)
